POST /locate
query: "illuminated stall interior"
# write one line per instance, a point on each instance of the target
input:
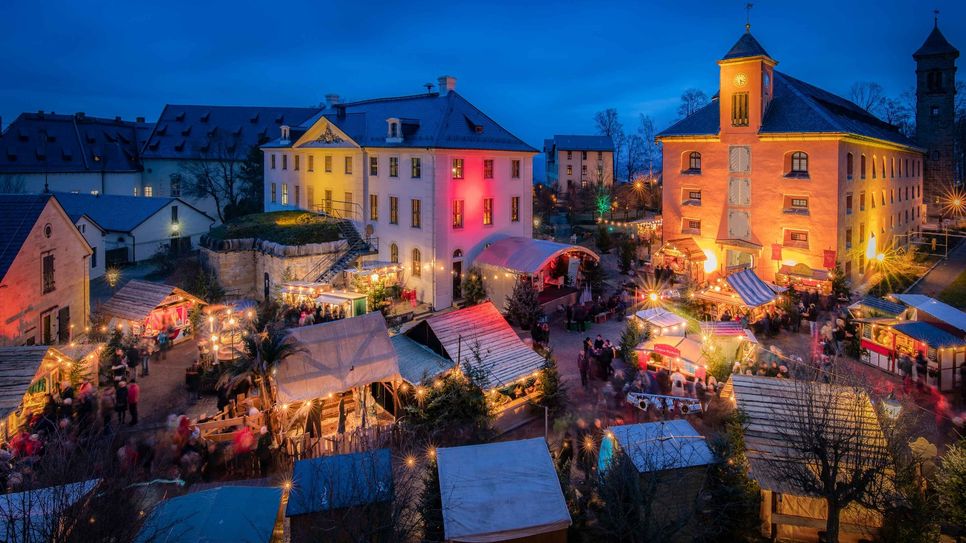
(345, 303)
(686, 258)
(740, 291)
(145, 309)
(28, 374)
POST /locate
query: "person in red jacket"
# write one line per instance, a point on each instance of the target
(133, 396)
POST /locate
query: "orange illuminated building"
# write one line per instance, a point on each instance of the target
(785, 178)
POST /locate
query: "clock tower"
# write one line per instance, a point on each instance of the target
(746, 85)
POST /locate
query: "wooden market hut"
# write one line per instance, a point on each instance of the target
(479, 336)
(506, 491)
(740, 291)
(29, 373)
(788, 513)
(672, 459)
(342, 381)
(224, 514)
(346, 497)
(145, 309)
(685, 257)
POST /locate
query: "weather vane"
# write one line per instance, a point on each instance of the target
(935, 20)
(748, 7)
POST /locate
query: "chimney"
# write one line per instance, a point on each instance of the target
(117, 119)
(447, 83)
(139, 119)
(79, 115)
(331, 100)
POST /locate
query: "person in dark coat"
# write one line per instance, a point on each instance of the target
(583, 365)
(120, 401)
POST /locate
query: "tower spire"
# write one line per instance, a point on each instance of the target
(748, 7)
(935, 18)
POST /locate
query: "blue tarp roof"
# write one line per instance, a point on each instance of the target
(337, 482)
(750, 288)
(928, 334)
(656, 446)
(883, 306)
(229, 514)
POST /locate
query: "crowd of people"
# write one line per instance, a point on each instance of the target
(309, 313)
(596, 360)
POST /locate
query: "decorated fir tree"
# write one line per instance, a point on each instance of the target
(473, 289)
(522, 306)
(552, 389)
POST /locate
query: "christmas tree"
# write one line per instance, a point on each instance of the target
(522, 306)
(552, 389)
(473, 290)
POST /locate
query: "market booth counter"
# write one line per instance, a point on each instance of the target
(28, 374)
(685, 258)
(146, 309)
(803, 277)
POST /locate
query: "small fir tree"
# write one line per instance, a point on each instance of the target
(431, 505)
(552, 389)
(951, 484)
(521, 305)
(603, 240)
(635, 333)
(840, 283)
(473, 289)
(452, 410)
(625, 255)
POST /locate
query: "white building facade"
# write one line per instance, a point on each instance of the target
(430, 177)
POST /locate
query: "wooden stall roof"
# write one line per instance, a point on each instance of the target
(505, 357)
(768, 401)
(18, 367)
(137, 299)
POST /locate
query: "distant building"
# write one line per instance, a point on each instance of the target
(429, 176)
(575, 162)
(936, 116)
(124, 229)
(188, 135)
(71, 153)
(787, 179)
(44, 271)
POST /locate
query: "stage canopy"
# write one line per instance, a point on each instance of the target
(526, 255)
(337, 356)
(500, 491)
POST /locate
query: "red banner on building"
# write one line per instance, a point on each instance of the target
(667, 350)
(828, 262)
(776, 251)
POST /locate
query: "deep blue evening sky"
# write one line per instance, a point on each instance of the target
(540, 69)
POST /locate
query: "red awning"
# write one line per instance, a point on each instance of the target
(875, 347)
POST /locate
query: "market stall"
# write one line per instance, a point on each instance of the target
(30, 373)
(146, 309)
(674, 353)
(685, 257)
(884, 341)
(506, 491)
(341, 381)
(663, 322)
(804, 278)
(740, 292)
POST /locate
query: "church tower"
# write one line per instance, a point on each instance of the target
(935, 115)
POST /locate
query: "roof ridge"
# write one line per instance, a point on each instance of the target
(390, 99)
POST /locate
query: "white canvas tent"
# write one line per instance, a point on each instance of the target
(663, 319)
(500, 492)
(337, 356)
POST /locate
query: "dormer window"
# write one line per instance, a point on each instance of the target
(285, 132)
(393, 130)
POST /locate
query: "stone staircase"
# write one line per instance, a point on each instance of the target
(332, 264)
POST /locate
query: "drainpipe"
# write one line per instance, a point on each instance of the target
(434, 206)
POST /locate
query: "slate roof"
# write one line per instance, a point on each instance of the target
(428, 121)
(746, 46)
(581, 143)
(935, 45)
(39, 142)
(114, 212)
(797, 107)
(18, 214)
(188, 131)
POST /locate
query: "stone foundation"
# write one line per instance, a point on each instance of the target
(242, 271)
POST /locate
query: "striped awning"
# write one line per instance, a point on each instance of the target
(750, 288)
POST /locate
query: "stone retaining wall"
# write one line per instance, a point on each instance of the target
(241, 265)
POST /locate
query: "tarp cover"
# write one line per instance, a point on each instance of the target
(944, 312)
(658, 316)
(500, 491)
(337, 356)
(527, 255)
(658, 446)
(228, 514)
(336, 482)
(752, 290)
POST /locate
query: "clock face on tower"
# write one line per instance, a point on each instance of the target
(740, 79)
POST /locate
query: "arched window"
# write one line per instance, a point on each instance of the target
(862, 167)
(799, 163)
(694, 162)
(849, 165)
(417, 263)
(458, 253)
(394, 253)
(873, 166)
